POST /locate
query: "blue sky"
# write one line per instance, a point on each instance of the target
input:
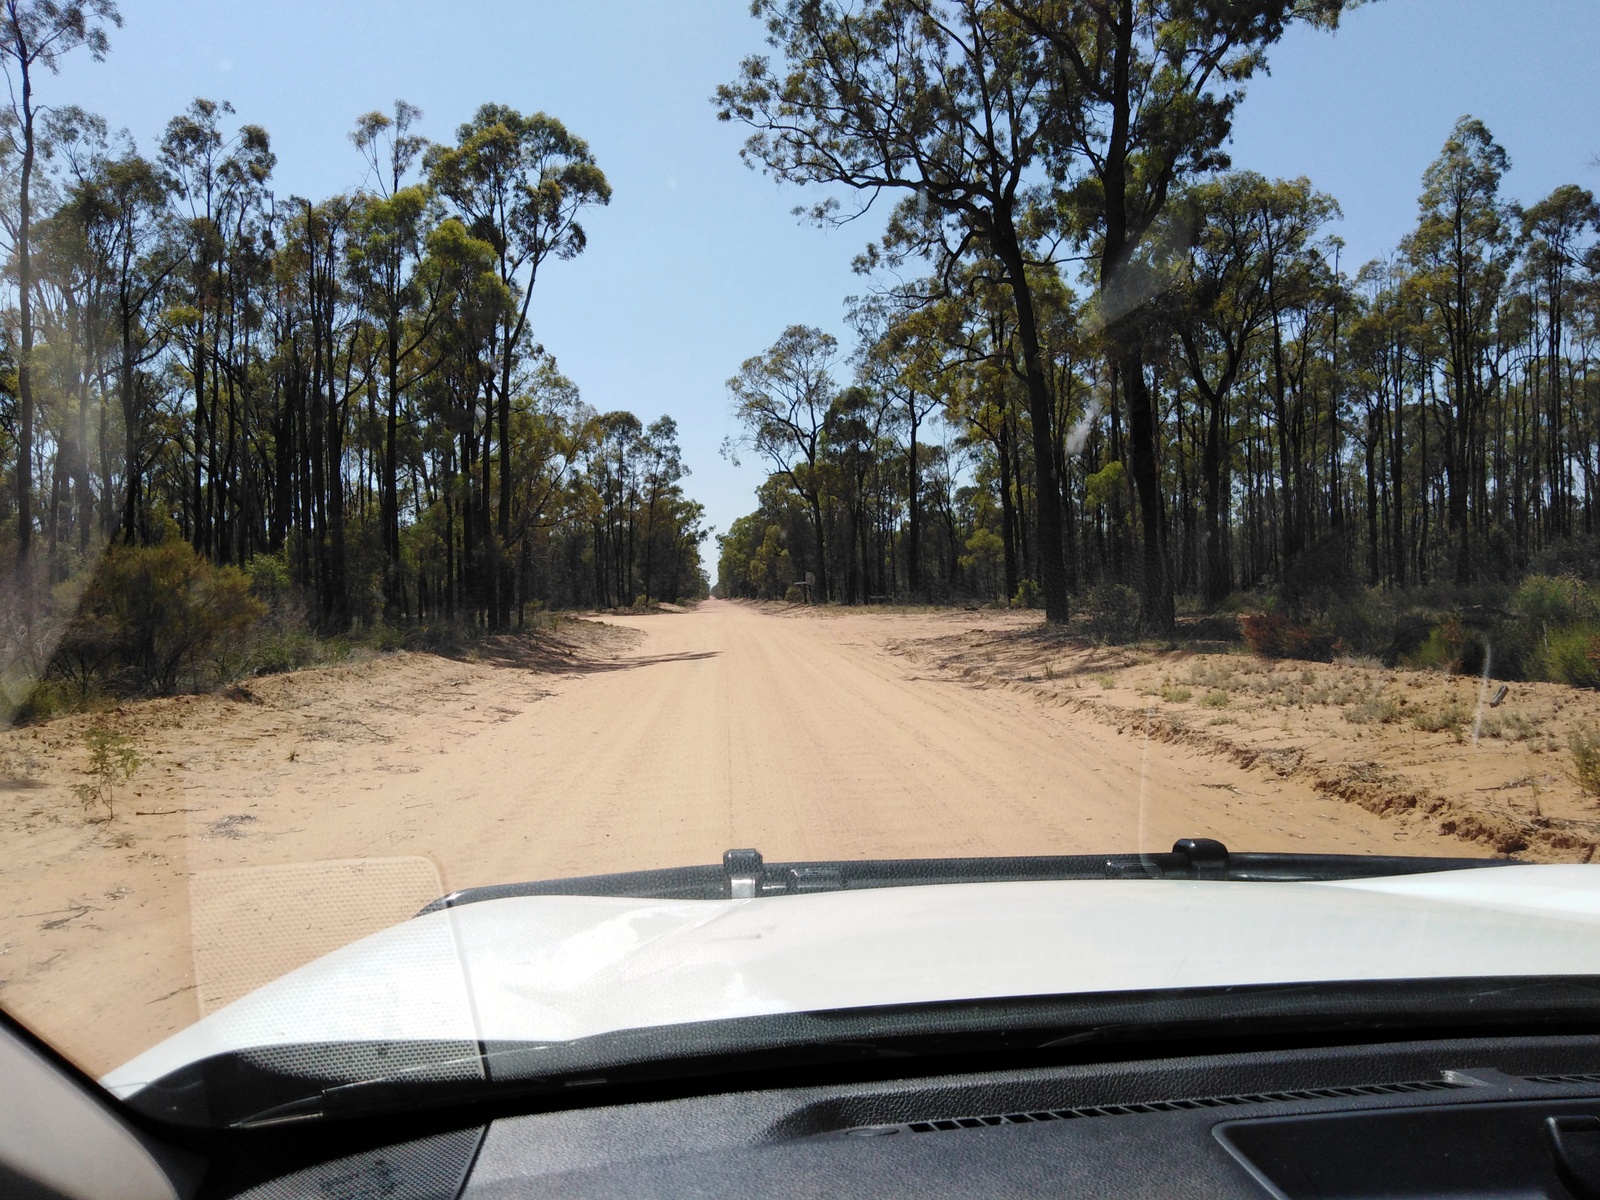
(698, 264)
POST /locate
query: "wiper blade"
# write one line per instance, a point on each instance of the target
(744, 874)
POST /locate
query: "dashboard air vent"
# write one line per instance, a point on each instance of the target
(1154, 1106)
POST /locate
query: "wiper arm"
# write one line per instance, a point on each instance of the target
(744, 874)
(1204, 858)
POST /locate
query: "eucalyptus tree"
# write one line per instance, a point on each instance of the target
(520, 183)
(855, 427)
(388, 144)
(986, 401)
(325, 364)
(1222, 308)
(663, 470)
(455, 375)
(74, 262)
(129, 196)
(192, 150)
(386, 258)
(1381, 338)
(1297, 283)
(552, 429)
(1462, 256)
(1141, 98)
(35, 35)
(933, 102)
(906, 353)
(783, 398)
(614, 478)
(1555, 231)
(220, 182)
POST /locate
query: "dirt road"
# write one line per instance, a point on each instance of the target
(310, 809)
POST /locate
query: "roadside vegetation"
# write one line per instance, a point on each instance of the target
(243, 431)
(113, 761)
(1162, 403)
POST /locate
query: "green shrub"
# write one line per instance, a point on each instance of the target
(1176, 693)
(1028, 595)
(1446, 648)
(1217, 698)
(1572, 656)
(50, 698)
(112, 762)
(1550, 617)
(386, 638)
(1113, 611)
(336, 648)
(152, 614)
(276, 653)
(1549, 603)
(795, 594)
(269, 580)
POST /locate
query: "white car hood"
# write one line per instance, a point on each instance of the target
(555, 968)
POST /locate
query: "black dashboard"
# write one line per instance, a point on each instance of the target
(1463, 1117)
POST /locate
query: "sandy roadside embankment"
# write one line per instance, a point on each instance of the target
(1471, 759)
(268, 825)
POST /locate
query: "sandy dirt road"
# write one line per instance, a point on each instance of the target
(311, 809)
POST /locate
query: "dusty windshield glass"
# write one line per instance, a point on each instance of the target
(854, 432)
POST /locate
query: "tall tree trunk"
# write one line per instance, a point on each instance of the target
(388, 485)
(24, 251)
(505, 571)
(1159, 609)
(84, 517)
(815, 499)
(1397, 531)
(1008, 535)
(132, 522)
(1374, 545)
(1216, 582)
(913, 529)
(1041, 408)
(197, 510)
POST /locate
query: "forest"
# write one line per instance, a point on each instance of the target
(1095, 367)
(1092, 368)
(339, 402)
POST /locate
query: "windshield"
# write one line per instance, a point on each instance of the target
(1034, 485)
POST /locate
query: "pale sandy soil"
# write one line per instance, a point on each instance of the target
(271, 825)
(1463, 757)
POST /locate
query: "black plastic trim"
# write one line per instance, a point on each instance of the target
(246, 1089)
(1190, 858)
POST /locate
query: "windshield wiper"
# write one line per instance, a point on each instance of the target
(744, 874)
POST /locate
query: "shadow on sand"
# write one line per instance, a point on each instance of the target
(557, 656)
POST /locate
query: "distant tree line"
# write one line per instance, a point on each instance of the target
(1128, 364)
(350, 386)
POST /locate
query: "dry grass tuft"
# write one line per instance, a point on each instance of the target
(1585, 745)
